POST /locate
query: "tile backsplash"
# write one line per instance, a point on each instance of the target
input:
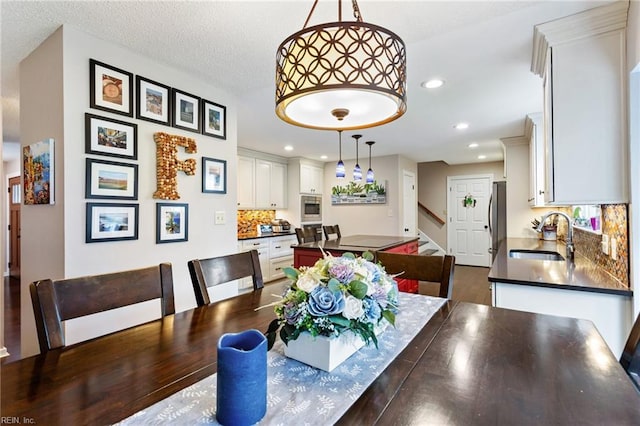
(248, 220)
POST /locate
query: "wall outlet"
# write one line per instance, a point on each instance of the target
(614, 249)
(605, 244)
(220, 218)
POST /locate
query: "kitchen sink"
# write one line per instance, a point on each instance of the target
(535, 254)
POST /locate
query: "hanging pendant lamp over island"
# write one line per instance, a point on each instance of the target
(370, 177)
(357, 171)
(352, 66)
(340, 172)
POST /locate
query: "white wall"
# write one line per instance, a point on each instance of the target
(73, 257)
(9, 169)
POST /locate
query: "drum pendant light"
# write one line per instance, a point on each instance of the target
(357, 172)
(370, 171)
(346, 65)
(340, 172)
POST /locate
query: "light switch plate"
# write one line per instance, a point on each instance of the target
(614, 249)
(220, 218)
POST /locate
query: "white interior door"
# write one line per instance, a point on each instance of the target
(468, 237)
(409, 204)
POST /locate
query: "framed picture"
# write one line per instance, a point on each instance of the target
(113, 138)
(111, 88)
(111, 222)
(214, 120)
(39, 171)
(172, 222)
(214, 175)
(153, 102)
(108, 179)
(185, 111)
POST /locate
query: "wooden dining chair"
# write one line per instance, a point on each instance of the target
(630, 358)
(306, 235)
(331, 230)
(437, 269)
(214, 271)
(55, 301)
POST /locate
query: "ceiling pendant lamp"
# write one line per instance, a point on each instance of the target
(340, 172)
(370, 177)
(357, 171)
(349, 66)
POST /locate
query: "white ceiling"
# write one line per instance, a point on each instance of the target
(482, 49)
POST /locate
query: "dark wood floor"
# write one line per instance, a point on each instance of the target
(470, 284)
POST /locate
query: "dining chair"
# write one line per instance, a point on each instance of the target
(331, 230)
(437, 269)
(214, 271)
(306, 235)
(55, 301)
(630, 358)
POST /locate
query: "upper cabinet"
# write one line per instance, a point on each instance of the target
(262, 181)
(581, 59)
(246, 178)
(311, 179)
(535, 135)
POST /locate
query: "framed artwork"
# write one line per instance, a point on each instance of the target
(111, 88)
(39, 171)
(214, 120)
(185, 111)
(153, 101)
(214, 175)
(111, 222)
(113, 138)
(108, 179)
(172, 222)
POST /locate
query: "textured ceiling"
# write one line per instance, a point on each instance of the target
(481, 48)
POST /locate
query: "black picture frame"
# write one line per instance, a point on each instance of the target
(153, 101)
(172, 222)
(111, 222)
(109, 137)
(214, 120)
(185, 111)
(111, 180)
(214, 175)
(110, 89)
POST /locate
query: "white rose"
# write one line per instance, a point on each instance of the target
(307, 282)
(353, 308)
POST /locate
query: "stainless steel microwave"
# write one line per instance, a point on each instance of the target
(310, 208)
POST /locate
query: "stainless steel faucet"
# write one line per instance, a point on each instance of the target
(569, 240)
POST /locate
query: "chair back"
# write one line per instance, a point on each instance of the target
(331, 230)
(437, 269)
(630, 358)
(55, 301)
(219, 270)
(306, 235)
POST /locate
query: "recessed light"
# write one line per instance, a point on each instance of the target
(473, 145)
(481, 157)
(432, 84)
(462, 126)
(288, 148)
(323, 157)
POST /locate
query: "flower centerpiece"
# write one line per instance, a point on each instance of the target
(336, 296)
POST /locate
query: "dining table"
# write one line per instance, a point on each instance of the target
(468, 364)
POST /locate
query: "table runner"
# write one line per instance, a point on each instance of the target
(297, 393)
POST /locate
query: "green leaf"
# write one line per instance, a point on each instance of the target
(358, 289)
(367, 255)
(291, 273)
(339, 320)
(334, 285)
(271, 333)
(389, 316)
(348, 255)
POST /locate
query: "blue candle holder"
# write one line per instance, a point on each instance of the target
(242, 378)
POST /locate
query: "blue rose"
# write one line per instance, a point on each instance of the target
(323, 301)
(372, 310)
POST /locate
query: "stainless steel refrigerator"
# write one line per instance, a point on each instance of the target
(497, 216)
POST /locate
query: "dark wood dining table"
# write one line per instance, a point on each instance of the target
(470, 364)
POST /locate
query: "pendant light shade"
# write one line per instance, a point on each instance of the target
(370, 177)
(340, 171)
(344, 65)
(357, 171)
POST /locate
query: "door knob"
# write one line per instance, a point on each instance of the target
(486, 227)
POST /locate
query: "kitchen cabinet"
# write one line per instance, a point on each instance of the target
(535, 136)
(246, 179)
(311, 179)
(270, 184)
(582, 61)
(275, 254)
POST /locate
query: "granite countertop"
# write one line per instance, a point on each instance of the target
(358, 243)
(251, 236)
(580, 274)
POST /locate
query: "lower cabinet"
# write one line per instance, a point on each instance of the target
(275, 254)
(610, 313)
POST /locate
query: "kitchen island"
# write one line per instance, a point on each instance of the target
(571, 288)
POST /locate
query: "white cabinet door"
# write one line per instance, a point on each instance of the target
(536, 160)
(279, 185)
(246, 179)
(262, 246)
(311, 179)
(270, 184)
